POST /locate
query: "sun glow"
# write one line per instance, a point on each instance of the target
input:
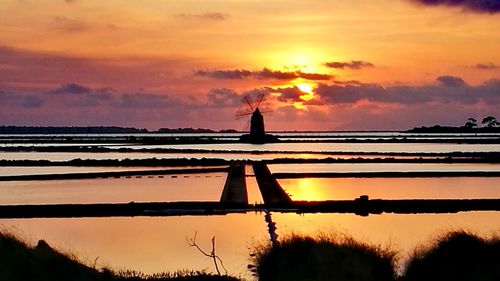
(307, 89)
(305, 189)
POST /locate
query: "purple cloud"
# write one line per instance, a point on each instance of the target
(450, 89)
(450, 81)
(72, 88)
(480, 6)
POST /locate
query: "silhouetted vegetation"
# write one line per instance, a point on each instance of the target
(456, 256)
(20, 262)
(323, 258)
(490, 125)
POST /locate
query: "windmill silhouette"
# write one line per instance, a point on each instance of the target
(257, 133)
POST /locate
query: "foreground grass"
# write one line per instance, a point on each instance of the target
(327, 257)
(456, 256)
(18, 261)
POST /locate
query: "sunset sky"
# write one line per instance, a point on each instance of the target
(322, 64)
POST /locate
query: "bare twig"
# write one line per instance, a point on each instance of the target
(215, 258)
(95, 262)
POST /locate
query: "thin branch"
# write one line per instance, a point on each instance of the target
(215, 258)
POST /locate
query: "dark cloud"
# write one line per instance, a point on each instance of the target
(487, 66)
(223, 97)
(265, 73)
(450, 81)
(225, 74)
(481, 6)
(289, 94)
(449, 90)
(83, 96)
(205, 16)
(72, 88)
(354, 64)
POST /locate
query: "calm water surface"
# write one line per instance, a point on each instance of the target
(155, 244)
(316, 189)
(381, 167)
(202, 187)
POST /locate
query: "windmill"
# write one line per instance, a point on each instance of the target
(257, 133)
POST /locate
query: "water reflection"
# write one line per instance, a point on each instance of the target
(202, 187)
(313, 189)
(154, 244)
(381, 167)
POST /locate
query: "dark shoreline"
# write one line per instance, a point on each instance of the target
(360, 206)
(210, 162)
(117, 174)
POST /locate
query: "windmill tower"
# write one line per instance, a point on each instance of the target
(257, 133)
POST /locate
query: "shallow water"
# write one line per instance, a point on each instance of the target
(381, 167)
(317, 189)
(199, 187)
(154, 244)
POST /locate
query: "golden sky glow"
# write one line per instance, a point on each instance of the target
(189, 50)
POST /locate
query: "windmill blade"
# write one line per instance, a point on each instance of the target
(249, 104)
(242, 115)
(260, 100)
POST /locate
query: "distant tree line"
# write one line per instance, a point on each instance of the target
(488, 122)
(99, 130)
(489, 125)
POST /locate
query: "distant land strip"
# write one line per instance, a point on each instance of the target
(209, 162)
(92, 175)
(214, 139)
(412, 174)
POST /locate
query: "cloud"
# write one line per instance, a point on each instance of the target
(26, 101)
(265, 73)
(44, 70)
(487, 66)
(289, 94)
(223, 97)
(225, 74)
(450, 81)
(354, 64)
(448, 90)
(480, 6)
(72, 88)
(205, 16)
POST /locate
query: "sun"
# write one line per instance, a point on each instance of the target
(307, 89)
